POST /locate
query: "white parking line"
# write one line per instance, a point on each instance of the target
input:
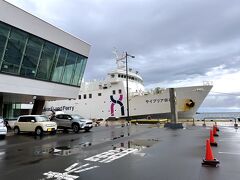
(229, 139)
(77, 168)
(86, 169)
(70, 167)
(231, 153)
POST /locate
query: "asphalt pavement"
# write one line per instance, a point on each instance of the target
(131, 152)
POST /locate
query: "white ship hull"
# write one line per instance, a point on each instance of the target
(140, 106)
(107, 98)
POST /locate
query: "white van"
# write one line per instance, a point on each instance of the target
(34, 123)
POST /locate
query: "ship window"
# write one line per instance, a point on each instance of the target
(114, 92)
(84, 96)
(99, 94)
(112, 75)
(105, 87)
(79, 96)
(90, 96)
(119, 75)
(120, 91)
(124, 76)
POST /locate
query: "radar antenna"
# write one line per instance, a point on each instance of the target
(120, 59)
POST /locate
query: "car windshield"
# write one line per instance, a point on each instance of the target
(42, 118)
(76, 116)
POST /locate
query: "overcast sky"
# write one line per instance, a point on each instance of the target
(176, 43)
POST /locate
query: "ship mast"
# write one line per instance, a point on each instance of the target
(120, 60)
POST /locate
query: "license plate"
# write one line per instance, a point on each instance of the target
(49, 129)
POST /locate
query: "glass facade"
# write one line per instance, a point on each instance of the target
(29, 56)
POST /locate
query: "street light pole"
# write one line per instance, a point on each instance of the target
(126, 55)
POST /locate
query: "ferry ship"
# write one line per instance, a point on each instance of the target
(104, 99)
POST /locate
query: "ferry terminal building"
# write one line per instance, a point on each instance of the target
(38, 62)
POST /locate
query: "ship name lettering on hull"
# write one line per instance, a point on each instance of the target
(157, 100)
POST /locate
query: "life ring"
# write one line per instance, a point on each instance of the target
(149, 117)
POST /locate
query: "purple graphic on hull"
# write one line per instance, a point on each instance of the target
(119, 101)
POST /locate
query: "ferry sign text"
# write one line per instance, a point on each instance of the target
(60, 108)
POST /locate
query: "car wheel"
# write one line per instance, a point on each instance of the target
(2, 137)
(87, 129)
(16, 130)
(65, 130)
(75, 128)
(53, 132)
(38, 131)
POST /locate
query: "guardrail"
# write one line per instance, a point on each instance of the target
(221, 118)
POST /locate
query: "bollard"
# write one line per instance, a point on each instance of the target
(193, 122)
(235, 124)
(204, 123)
(106, 124)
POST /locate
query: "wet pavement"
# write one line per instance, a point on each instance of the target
(115, 152)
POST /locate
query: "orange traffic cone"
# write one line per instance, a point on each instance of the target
(212, 140)
(209, 158)
(215, 131)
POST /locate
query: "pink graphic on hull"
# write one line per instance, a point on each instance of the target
(119, 102)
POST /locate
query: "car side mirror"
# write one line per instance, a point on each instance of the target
(33, 121)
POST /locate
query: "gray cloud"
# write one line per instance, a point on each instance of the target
(172, 40)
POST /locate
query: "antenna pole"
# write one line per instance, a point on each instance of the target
(126, 55)
(127, 86)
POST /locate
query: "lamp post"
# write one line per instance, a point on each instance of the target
(126, 55)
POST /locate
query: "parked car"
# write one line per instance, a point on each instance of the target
(7, 124)
(34, 123)
(3, 128)
(74, 122)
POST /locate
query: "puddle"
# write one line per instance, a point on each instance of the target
(117, 137)
(61, 150)
(66, 150)
(43, 151)
(137, 143)
(2, 154)
(143, 142)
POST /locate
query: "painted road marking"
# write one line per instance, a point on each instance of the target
(59, 176)
(70, 167)
(111, 155)
(221, 140)
(105, 157)
(74, 168)
(86, 169)
(231, 153)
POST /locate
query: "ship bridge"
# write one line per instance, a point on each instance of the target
(119, 75)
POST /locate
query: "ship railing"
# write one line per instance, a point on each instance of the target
(207, 83)
(139, 93)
